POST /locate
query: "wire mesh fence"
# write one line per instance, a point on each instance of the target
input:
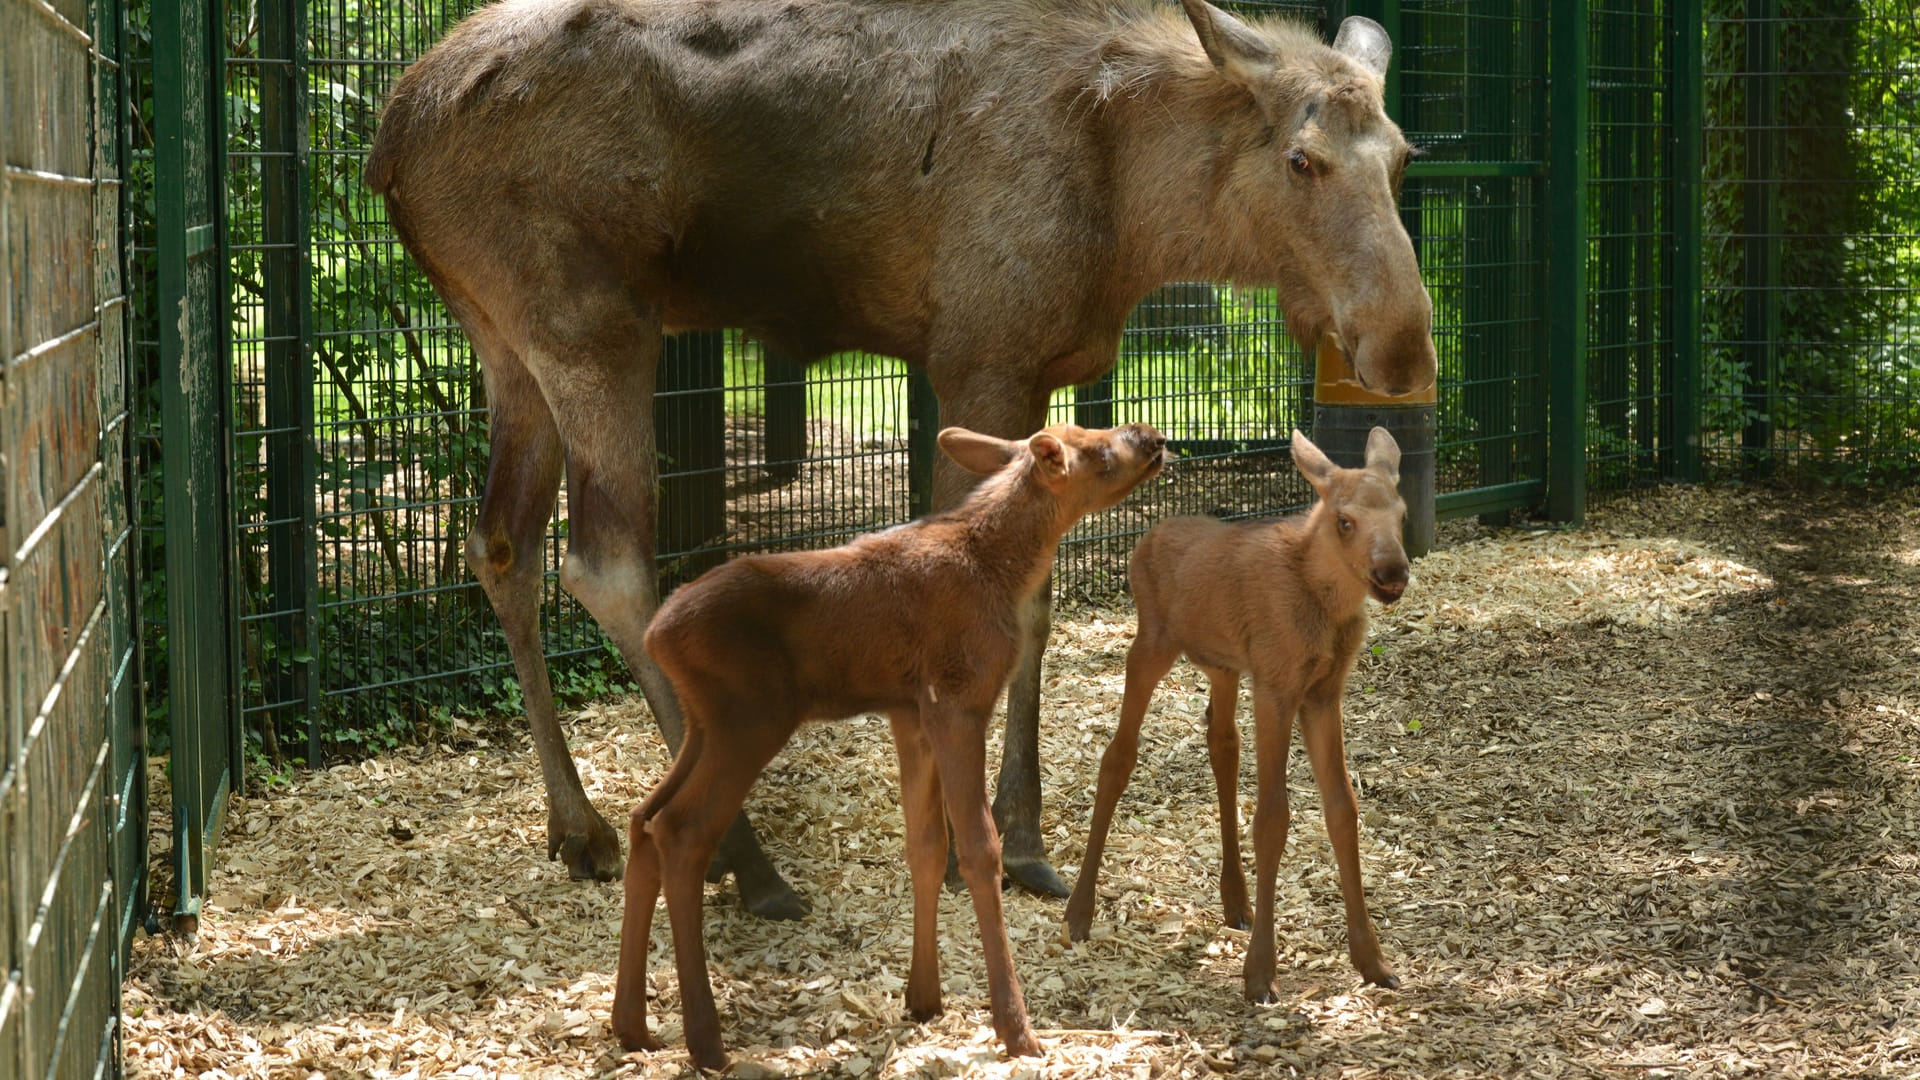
(72, 774)
(1811, 220)
(1471, 83)
(360, 439)
(1629, 433)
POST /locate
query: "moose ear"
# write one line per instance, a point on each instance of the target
(1236, 51)
(1367, 42)
(975, 452)
(1050, 454)
(1383, 452)
(1314, 465)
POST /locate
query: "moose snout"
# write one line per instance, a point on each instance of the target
(1397, 359)
(1389, 581)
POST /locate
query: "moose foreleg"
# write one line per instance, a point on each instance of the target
(1009, 414)
(1016, 801)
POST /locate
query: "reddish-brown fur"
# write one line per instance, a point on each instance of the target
(923, 623)
(1285, 600)
(981, 187)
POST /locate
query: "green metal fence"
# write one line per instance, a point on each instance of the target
(1656, 244)
(1810, 323)
(72, 779)
(1630, 418)
(359, 414)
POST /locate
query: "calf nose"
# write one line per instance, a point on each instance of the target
(1391, 578)
(1148, 438)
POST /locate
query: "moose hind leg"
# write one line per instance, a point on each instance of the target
(601, 392)
(504, 550)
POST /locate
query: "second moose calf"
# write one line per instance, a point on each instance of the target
(920, 622)
(1285, 600)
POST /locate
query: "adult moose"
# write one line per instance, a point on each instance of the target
(980, 187)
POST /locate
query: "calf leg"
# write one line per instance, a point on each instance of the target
(1320, 729)
(991, 410)
(642, 891)
(1272, 734)
(1223, 754)
(504, 550)
(958, 742)
(686, 830)
(1148, 661)
(599, 385)
(636, 936)
(920, 802)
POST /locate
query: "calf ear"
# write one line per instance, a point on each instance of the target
(1236, 51)
(1383, 452)
(1314, 465)
(975, 452)
(1367, 42)
(1049, 455)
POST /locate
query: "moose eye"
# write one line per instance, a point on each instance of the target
(1299, 162)
(1346, 524)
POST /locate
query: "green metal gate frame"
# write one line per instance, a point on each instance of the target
(195, 402)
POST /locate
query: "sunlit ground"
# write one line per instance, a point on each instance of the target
(1640, 800)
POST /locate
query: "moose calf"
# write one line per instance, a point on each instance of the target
(1285, 600)
(922, 623)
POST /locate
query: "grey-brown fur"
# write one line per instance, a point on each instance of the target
(982, 187)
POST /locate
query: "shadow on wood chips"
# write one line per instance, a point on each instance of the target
(1640, 800)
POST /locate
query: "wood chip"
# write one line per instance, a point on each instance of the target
(1642, 798)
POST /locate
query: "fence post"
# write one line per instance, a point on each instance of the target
(1760, 284)
(1093, 403)
(1567, 270)
(690, 416)
(292, 570)
(1488, 278)
(195, 404)
(786, 414)
(923, 432)
(1682, 421)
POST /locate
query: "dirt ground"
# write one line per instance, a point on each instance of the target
(1641, 799)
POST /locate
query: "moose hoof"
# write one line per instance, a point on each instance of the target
(775, 901)
(591, 854)
(1035, 875)
(1384, 979)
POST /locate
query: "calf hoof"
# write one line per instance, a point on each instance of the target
(1021, 1043)
(632, 1039)
(1035, 875)
(1382, 978)
(1079, 917)
(591, 853)
(1234, 913)
(923, 1010)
